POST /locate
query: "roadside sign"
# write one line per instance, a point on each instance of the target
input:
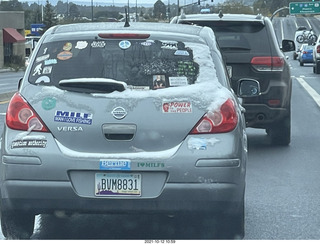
(304, 8)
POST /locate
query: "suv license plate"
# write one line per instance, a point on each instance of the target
(117, 184)
(229, 69)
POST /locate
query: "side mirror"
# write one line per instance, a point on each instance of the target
(288, 46)
(248, 88)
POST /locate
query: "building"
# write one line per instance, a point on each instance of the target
(12, 40)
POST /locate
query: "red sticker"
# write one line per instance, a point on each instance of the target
(64, 55)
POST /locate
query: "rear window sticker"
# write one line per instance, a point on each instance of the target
(181, 53)
(37, 70)
(139, 88)
(47, 70)
(29, 143)
(178, 81)
(42, 79)
(64, 55)
(146, 43)
(73, 117)
(100, 44)
(42, 58)
(50, 61)
(125, 44)
(48, 103)
(159, 81)
(67, 46)
(169, 44)
(111, 164)
(176, 107)
(81, 44)
(45, 50)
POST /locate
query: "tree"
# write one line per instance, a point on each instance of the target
(49, 16)
(13, 5)
(159, 10)
(74, 11)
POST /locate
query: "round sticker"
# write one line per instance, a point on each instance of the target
(48, 103)
(64, 55)
(124, 44)
(67, 46)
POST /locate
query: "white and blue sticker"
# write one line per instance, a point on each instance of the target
(124, 44)
(111, 164)
(181, 53)
(50, 61)
(73, 117)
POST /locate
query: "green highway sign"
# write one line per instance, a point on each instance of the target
(304, 8)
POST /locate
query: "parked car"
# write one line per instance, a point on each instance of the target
(119, 118)
(305, 54)
(262, 60)
(316, 56)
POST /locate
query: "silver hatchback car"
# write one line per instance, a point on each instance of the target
(125, 119)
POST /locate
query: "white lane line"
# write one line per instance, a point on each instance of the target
(315, 96)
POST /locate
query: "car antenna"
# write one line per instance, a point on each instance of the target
(126, 24)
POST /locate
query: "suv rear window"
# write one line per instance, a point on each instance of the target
(142, 64)
(238, 36)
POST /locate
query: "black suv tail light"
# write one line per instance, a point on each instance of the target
(268, 63)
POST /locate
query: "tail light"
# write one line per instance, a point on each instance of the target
(219, 121)
(268, 63)
(318, 49)
(20, 116)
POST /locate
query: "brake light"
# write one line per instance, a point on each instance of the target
(223, 120)
(268, 63)
(318, 49)
(123, 36)
(20, 116)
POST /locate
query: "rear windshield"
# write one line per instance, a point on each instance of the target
(239, 36)
(141, 64)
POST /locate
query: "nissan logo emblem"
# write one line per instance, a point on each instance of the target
(119, 113)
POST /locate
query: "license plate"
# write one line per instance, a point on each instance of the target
(117, 184)
(229, 69)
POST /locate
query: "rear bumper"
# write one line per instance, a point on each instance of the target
(262, 116)
(47, 197)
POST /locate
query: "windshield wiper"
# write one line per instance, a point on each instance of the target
(93, 85)
(235, 48)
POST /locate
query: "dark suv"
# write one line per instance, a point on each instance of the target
(251, 50)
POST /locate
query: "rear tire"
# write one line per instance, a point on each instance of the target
(317, 67)
(280, 133)
(301, 63)
(17, 225)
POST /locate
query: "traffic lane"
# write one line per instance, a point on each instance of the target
(9, 81)
(282, 193)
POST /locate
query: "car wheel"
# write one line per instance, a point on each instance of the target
(301, 63)
(317, 67)
(280, 133)
(232, 226)
(17, 225)
(294, 56)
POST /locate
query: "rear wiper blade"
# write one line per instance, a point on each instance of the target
(99, 85)
(235, 48)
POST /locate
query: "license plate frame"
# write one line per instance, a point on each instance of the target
(117, 184)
